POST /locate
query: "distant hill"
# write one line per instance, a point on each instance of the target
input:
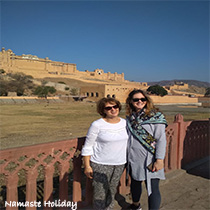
(189, 82)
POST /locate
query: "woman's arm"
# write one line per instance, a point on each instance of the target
(160, 135)
(88, 169)
(90, 140)
(87, 150)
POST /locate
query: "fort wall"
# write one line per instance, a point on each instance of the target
(97, 83)
(174, 100)
(44, 67)
(177, 86)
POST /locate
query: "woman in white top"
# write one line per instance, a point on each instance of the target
(104, 152)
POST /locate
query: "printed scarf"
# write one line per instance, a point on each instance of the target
(135, 122)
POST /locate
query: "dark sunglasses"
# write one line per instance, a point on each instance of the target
(141, 99)
(110, 107)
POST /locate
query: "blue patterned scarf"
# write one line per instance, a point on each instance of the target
(135, 122)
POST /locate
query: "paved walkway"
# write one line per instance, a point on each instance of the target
(182, 189)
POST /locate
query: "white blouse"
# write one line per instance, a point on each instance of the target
(106, 143)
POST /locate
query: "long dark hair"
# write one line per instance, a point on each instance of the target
(148, 107)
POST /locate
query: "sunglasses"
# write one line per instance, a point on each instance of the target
(141, 99)
(110, 107)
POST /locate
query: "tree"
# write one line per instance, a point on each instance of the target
(207, 92)
(2, 71)
(43, 91)
(157, 90)
(3, 88)
(74, 91)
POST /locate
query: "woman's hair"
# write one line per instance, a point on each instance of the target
(102, 103)
(148, 107)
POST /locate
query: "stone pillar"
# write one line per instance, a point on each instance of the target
(31, 186)
(48, 186)
(181, 134)
(12, 193)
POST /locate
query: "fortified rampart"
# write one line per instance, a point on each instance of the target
(175, 100)
(177, 86)
(44, 67)
(94, 84)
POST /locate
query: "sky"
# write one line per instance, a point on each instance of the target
(146, 40)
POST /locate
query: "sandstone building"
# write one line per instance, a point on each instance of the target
(44, 67)
(94, 84)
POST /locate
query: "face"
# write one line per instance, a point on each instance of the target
(138, 104)
(111, 110)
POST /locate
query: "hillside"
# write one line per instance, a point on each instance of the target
(189, 82)
(24, 85)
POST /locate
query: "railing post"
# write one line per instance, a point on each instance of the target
(88, 192)
(63, 182)
(48, 186)
(12, 193)
(123, 189)
(77, 191)
(31, 187)
(181, 134)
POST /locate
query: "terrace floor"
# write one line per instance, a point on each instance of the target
(183, 189)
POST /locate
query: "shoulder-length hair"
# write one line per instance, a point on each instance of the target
(102, 103)
(148, 107)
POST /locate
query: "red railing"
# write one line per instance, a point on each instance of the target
(186, 142)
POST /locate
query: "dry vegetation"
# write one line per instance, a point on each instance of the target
(27, 124)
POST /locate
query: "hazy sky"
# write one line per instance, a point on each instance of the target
(147, 40)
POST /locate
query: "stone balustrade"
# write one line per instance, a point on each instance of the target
(186, 142)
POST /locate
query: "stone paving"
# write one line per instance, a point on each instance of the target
(182, 190)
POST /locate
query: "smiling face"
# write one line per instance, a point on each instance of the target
(137, 103)
(111, 110)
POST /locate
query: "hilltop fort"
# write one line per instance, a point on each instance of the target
(92, 84)
(95, 84)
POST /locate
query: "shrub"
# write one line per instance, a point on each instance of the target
(43, 91)
(74, 91)
(60, 82)
(2, 71)
(207, 94)
(157, 90)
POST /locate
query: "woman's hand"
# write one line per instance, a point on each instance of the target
(89, 172)
(158, 165)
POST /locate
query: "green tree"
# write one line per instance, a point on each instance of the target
(43, 91)
(2, 71)
(3, 88)
(207, 92)
(157, 90)
(74, 91)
